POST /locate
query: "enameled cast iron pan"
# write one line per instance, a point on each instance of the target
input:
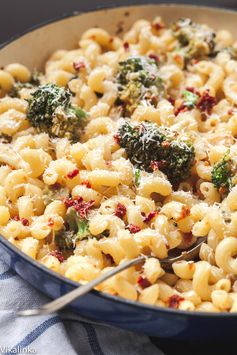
(33, 49)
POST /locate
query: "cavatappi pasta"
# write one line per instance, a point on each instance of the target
(81, 189)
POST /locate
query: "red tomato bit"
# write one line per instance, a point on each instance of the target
(78, 66)
(73, 173)
(181, 108)
(83, 208)
(57, 254)
(171, 100)
(86, 183)
(206, 102)
(174, 301)
(126, 46)
(154, 165)
(150, 215)
(133, 229)
(80, 206)
(69, 202)
(143, 282)
(120, 210)
(158, 26)
(25, 222)
(155, 57)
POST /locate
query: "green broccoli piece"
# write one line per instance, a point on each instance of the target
(76, 229)
(190, 98)
(223, 172)
(138, 79)
(196, 40)
(50, 111)
(137, 175)
(147, 145)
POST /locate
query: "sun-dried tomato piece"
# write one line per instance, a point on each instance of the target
(86, 183)
(25, 222)
(174, 301)
(79, 204)
(171, 100)
(158, 26)
(83, 208)
(206, 102)
(69, 202)
(126, 46)
(79, 65)
(133, 229)
(193, 90)
(73, 173)
(181, 108)
(143, 282)
(150, 215)
(155, 57)
(154, 165)
(120, 210)
(57, 254)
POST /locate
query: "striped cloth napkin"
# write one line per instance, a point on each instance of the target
(57, 334)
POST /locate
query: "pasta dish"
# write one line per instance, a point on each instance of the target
(126, 146)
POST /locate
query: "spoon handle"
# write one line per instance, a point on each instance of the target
(69, 297)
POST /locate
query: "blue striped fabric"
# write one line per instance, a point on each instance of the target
(65, 333)
(35, 333)
(92, 339)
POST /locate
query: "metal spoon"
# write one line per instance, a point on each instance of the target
(69, 297)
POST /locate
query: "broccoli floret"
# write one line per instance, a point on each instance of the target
(190, 98)
(50, 111)
(138, 79)
(147, 145)
(76, 229)
(222, 173)
(197, 40)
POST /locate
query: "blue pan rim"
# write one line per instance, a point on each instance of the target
(105, 7)
(54, 274)
(107, 296)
